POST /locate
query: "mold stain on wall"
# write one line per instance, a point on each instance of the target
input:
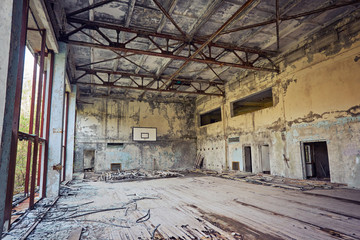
(315, 98)
(111, 121)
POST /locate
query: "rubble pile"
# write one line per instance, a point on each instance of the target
(136, 175)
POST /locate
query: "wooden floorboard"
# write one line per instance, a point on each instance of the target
(214, 208)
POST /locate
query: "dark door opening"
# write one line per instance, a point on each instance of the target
(265, 159)
(316, 160)
(248, 164)
(89, 160)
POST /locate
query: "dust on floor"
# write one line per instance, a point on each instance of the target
(197, 207)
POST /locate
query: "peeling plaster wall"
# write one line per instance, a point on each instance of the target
(316, 98)
(110, 121)
(5, 30)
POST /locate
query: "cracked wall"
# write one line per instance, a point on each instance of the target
(101, 121)
(316, 98)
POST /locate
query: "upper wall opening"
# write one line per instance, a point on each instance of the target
(255, 102)
(210, 117)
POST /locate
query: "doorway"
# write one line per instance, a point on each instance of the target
(265, 159)
(89, 160)
(248, 162)
(316, 160)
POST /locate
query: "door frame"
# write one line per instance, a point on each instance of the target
(302, 152)
(261, 156)
(251, 157)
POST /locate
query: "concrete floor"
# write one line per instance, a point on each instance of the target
(201, 208)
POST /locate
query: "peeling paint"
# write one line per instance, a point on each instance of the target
(317, 100)
(111, 121)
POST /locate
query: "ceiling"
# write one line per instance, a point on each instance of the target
(138, 48)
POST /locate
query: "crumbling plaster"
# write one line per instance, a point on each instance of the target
(316, 98)
(101, 121)
(5, 29)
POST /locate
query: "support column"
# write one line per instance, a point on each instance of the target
(70, 148)
(56, 123)
(47, 105)
(13, 19)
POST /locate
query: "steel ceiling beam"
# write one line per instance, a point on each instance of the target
(152, 76)
(180, 47)
(285, 18)
(284, 9)
(197, 25)
(93, 25)
(168, 55)
(210, 39)
(92, 6)
(142, 88)
(163, 10)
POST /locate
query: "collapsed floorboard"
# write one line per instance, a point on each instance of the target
(199, 208)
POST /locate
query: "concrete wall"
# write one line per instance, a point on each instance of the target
(56, 122)
(316, 98)
(71, 133)
(101, 121)
(5, 30)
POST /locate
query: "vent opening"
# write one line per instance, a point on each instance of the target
(115, 166)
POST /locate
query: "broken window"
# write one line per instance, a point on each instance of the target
(253, 103)
(210, 117)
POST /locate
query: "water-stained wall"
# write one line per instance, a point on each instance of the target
(102, 121)
(316, 97)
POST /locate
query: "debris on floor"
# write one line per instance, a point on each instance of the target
(260, 178)
(289, 183)
(192, 207)
(130, 175)
(273, 181)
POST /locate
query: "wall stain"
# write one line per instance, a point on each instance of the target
(278, 125)
(354, 111)
(285, 84)
(311, 117)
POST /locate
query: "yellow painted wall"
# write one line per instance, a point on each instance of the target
(101, 121)
(316, 98)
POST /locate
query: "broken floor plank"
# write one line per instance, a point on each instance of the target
(211, 208)
(75, 234)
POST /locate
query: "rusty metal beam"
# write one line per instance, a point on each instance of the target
(286, 8)
(160, 27)
(157, 54)
(213, 36)
(95, 5)
(277, 12)
(163, 10)
(29, 137)
(285, 18)
(37, 121)
(17, 49)
(152, 76)
(198, 24)
(31, 124)
(96, 24)
(42, 127)
(151, 89)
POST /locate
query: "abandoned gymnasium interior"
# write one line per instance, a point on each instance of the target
(180, 119)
